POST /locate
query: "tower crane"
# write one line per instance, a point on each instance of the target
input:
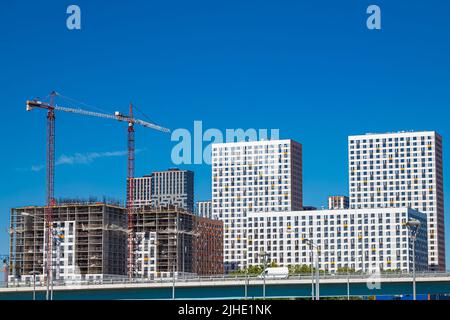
(51, 108)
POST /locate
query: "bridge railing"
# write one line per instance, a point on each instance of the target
(223, 278)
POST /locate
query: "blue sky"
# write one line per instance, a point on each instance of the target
(310, 68)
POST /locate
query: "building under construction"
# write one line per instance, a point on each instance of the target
(89, 242)
(168, 242)
(162, 233)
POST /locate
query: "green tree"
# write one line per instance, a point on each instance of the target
(345, 270)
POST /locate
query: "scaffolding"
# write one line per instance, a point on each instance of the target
(99, 240)
(174, 228)
(95, 239)
(185, 243)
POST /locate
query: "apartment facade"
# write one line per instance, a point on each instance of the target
(401, 169)
(256, 176)
(173, 187)
(204, 209)
(142, 191)
(338, 202)
(361, 239)
(208, 246)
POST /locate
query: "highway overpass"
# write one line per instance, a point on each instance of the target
(241, 288)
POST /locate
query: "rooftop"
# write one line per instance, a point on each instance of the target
(393, 132)
(74, 204)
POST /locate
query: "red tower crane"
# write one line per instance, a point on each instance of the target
(130, 193)
(51, 108)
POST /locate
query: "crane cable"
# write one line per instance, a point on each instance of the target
(82, 103)
(145, 116)
(100, 109)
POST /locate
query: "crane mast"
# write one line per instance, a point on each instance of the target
(50, 186)
(50, 165)
(130, 195)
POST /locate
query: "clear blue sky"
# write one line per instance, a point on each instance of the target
(310, 68)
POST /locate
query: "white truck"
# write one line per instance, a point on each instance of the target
(275, 273)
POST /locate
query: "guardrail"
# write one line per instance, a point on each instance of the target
(223, 278)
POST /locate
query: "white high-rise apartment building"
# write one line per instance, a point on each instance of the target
(163, 188)
(401, 169)
(256, 176)
(338, 202)
(142, 191)
(204, 209)
(361, 239)
(173, 187)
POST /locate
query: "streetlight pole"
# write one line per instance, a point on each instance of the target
(312, 246)
(47, 267)
(53, 270)
(311, 253)
(246, 282)
(184, 249)
(34, 286)
(246, 275)
(352, 259)
(265, 256)
(173, 283)
(34, 273)
(317, 274)
(348, 284)
(413, 225)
